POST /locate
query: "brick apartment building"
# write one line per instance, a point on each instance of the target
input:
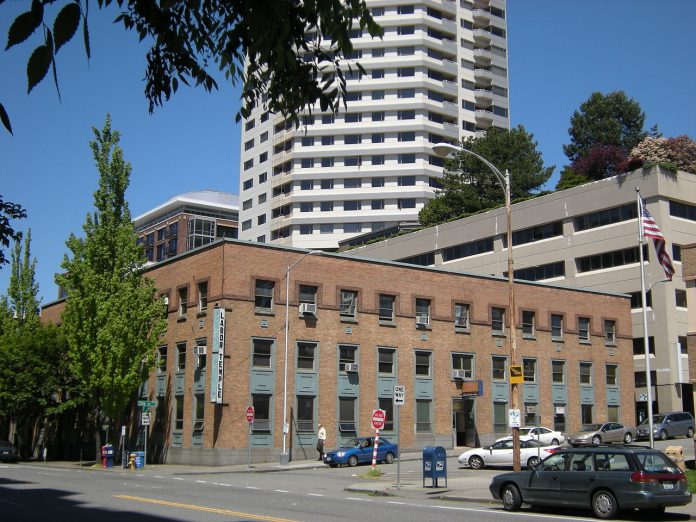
(365, 327)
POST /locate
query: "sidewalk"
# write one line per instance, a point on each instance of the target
(462, 485)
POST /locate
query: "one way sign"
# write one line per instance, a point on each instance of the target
(399, 395)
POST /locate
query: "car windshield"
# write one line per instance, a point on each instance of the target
(352, 443)
(525, 431)
(591, 427)
(657, 419)
(533, 443)
(654, 462)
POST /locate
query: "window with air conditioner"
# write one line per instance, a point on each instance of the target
(347, 354)
(349, 299)
(463, 366)
(422, 312)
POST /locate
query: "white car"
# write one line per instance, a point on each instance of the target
(544, 435)
(500, 454)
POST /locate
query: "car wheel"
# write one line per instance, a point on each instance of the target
(555, 442)
(389, 458)
(628, 438)
(596, 440)
(476, 462)
(533, 461)
(512, 500)
(333, 465)
(604, 505)
(690, 433)
(663, 435)
(352, 461)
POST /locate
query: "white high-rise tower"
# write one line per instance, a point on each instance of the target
(439, 74)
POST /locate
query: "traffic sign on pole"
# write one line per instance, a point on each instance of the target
(145, 419)
(250, 414)
(147, 404)
(379, 417)
(399, 395)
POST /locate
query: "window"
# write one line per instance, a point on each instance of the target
(326, 206)
(248, 184)
(327, 184)
(306, 206)
(261, 353)
(405, 9)
(352, 183)
(540, 272)
(308, 294)
(610, 259)
(263, 157)
(352, 227)
(423, 310)
(586, 413)
(407, 159)
(352, 205)
(585, 373)
(387, 404)
(637, 300)
(407, 136)
(307, 141)
(353, 117)
(179, 416)
(199, 414)
(498, 320)
(327, 119)
(528, 319)
(464, 362)
(183, 301)
(405, 30)
(307, 163)
(558, 372)
(676, 252)
(682, 210)
(262, 411)
(639, 345)
(263, 298)
(584, 329)
(203, 296)
(377, 182)
(247, 204)
(305, 414)
(386, 307)
(349, 301)
(406, 93)
(376, 75)
(498, 368)
(385, 362)
(346, 355)
(378, 137)
(423, 423)
(248, 164)
(461, 316)
(306, 184)
(263, 137)
(407, 115)
(529, 370)
(346, 415)
(181, 357)
(407, 181)
(352, 139)
(680, 297)
(262, 198)
(327, 162)
(500, 418)
(641, 379)
(468, 249)
(423, 363)
(378, 116)
(160, 234)
(556, 327)
(306, 355)
(609, 332)
(326, 228)
(246, 224)
(612, 375)
(327, 140)
(162, 359)
(682, 342)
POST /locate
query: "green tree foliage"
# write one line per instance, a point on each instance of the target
(569, 178)
(261, 44)
(470, 186)
(34, 377)
(112, 319)
(9, 211)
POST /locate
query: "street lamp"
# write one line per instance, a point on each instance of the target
(285, 455)
(443, 150)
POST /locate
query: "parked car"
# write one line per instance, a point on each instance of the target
(8, 453)
(605, 479)
(544, 435)
(500, 454)
(596, 434)
(667, 425)
(359, 450)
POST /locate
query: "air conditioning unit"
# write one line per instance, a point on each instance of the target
(352, 367)
(459, 374)
(422, 320)
(200, 350)
(166, 300)
(308, 309)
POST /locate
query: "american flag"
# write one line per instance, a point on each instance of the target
(650, 229)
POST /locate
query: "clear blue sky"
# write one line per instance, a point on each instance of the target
(559, 53)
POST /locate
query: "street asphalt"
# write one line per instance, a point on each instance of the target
(463, 485)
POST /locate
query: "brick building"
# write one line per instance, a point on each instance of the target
(357, 328)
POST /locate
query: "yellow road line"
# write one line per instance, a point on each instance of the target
(202, 508)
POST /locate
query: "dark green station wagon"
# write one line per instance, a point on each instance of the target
(606, 479)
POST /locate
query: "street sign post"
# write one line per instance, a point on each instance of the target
(145, 419)
(379, 418)
(146, 404)
(250, 414)
(399, 400)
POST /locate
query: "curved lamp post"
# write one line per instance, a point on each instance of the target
(285, 455)
(443, 150)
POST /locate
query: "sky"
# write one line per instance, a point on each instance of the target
(559, 53)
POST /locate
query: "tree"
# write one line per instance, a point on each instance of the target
(612, 120)
(112, 319)
(33, 374)
(671, 153)
(469, 186)
(261, 44)
(8, 211)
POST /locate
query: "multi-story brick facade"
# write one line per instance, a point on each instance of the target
(400, 324)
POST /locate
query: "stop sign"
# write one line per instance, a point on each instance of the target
(250, 414)
(379, 417)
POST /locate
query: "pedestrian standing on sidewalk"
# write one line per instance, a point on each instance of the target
(321, 439)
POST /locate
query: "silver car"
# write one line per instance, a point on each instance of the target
(596, 434)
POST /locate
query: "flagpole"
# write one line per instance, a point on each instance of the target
(646, 342)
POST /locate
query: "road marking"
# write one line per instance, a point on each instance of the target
(177, 478)
(282, 491)
(252, 487)
(360, 499)
(397, 503)
(202, 508)
(314, 495)
(201, 481)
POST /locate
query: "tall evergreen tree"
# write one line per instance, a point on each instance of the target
(23, 290)
(112, 319)
(469, 186)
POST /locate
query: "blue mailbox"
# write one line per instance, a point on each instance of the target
(434, 464)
